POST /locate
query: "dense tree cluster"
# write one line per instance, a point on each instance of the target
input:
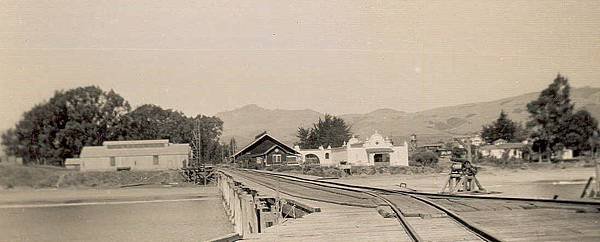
(59, 128)
(503, 128)
(328, 131)
(554, 125)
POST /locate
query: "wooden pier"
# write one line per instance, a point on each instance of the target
(343, 212)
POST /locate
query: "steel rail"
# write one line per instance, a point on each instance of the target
(481, 233)
(541, 200)
(410, 231)
(400, 217)
(318, 188)
(306, 197)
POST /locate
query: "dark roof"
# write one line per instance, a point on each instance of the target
(382, 149)
(263, 144)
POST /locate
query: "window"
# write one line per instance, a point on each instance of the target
(113, 162)
(155, 160)
(277, 158)
(326, 156)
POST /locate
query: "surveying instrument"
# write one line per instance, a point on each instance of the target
(462, 177)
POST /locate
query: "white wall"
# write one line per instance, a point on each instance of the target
(358, 157)
(339, 155)
(139, 163)
(498, 153)
(400, 156)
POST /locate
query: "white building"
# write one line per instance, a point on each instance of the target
(131, 155)
(477, 140)
(500, 149)
(376, 150)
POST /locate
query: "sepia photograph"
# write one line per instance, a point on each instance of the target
(280, 120)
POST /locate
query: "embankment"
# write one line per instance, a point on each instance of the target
(16, 176)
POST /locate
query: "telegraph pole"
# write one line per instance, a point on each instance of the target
(197, 144)
(593, 141)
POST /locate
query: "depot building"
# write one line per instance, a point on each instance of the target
(374, 151)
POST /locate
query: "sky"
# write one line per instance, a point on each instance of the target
(203, 57)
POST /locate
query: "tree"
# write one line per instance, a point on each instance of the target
(153, 122)
(307, 138)
(549, 113)
(87, 116)
(553, 124)
(329, 131)
(57, 129)
(210, 132)
(502, 128)
(232, 146)
(580, 129)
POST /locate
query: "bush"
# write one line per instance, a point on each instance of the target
(504, 162)
(43, 177)
(424, 158)
(323, 171)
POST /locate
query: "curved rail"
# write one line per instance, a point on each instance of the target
(411, 232)
(313, 198)
(542, 200)
(401, 218)
(479, 232)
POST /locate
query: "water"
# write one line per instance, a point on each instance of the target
(161, 221)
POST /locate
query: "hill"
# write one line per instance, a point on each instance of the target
(429, 125)
(246, 122)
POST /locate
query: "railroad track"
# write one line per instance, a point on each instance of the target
(449, 225)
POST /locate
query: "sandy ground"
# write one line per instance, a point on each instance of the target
(541, 182)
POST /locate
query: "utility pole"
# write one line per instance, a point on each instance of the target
(593, 141)
(467, 145)
(197, 144)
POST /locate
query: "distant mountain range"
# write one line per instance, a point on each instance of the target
(430, 126)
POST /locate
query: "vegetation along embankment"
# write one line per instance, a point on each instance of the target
(16, 176)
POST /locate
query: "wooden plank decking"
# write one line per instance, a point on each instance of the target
(337, 223)
(333, 223)
(505, 220)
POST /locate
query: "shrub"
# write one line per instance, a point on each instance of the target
(504, 162)
(424, 158)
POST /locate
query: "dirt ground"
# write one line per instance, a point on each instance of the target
(538, 182)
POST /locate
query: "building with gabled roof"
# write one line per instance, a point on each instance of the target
(267, 150)
(131, 155)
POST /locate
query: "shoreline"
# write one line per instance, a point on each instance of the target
(493, 178)
(134, 214)
(537, 182)
(71, 195)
